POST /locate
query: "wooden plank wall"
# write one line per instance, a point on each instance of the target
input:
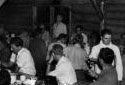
(115, 17)
(86, 15)
(16, 15)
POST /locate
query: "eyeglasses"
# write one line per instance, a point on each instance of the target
(107, 38)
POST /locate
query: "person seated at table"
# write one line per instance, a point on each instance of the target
(4, 53)
(5, 78)
(108, 74)
(24, 58)
(64, 71)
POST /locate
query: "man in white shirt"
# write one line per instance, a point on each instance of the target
(24, 58)
(59, 27)
(106, 36)
(60, 40)
(64, 71)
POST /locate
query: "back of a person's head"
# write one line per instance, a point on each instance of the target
(16, 41)
(107, 55)
(57, 49)
(5, 78)
(60, 15)
(78, 39)
(61, 37)
(36, 32)
(106, 31)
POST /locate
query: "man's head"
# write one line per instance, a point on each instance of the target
(16, 44)
(59, 18)
(79, 29)
(57, 52)
(106, 36)
(106, 56)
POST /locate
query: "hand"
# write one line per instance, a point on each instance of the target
(93, 59)
(93, 73)
(51, 59)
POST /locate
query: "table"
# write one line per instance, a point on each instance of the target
(17, 79)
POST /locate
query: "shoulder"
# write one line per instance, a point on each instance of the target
(24, 51)
(114, 47)
(98, 46)
(62, 24)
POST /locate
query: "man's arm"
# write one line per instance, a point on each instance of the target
(94, 52)
(49, 64)
(119, 66)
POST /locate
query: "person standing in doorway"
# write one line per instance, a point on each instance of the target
(59, 27)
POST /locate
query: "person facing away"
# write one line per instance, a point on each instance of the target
(59, 27)
(79, 29)
(39, 51)
(24, 58)
(108, 75)
(78, 56)
(64, 71)
(106, 36)
(46, 36)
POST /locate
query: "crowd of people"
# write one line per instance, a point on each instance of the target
(71, 60)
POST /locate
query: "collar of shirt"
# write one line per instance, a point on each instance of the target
(77, 45)
(105, 45)
(61, 60)
(20, 51)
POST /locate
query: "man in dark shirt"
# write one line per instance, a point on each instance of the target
(108, 75)
(39, 51)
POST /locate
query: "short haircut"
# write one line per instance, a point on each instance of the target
(17, 41)
(106, 31)
(62, 36)
(57, 49)
(5, 78)
(78, 39)
(107, 55)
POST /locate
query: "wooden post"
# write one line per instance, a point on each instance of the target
(70, 21)
(52, 9)
(34, 16)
